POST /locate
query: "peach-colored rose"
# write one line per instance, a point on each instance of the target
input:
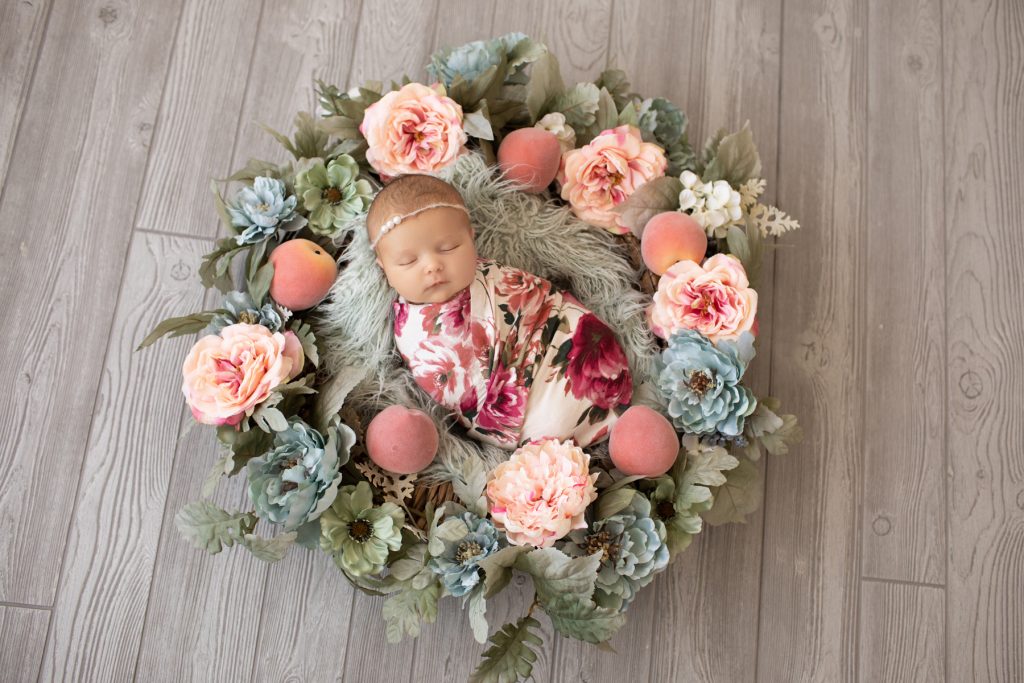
(714, 299)
(597, 177)
(413, 130)
(228, 374)
(541, 493)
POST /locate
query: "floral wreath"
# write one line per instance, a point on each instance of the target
(695, 230)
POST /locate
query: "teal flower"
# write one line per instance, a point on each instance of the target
(701, 382)
(238, 307)
(260, 210)
(333, 193)
(359, 535)
(472, 59)
(458, 564)
(632, 548)
(297, 480)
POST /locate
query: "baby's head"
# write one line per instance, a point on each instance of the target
(428, 257)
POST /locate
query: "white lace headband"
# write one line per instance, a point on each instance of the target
(391, 223)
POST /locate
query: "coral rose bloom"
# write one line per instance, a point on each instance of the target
(541, 493)
(413, 130)
(714, 299)
(603, 174)
(228, 374)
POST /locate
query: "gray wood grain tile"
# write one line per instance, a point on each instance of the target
(902, 630)
(23, 633)
(983, 60)
(65, 218)
(811, 558)
(110, 556)
(904, 524)
(21, 35)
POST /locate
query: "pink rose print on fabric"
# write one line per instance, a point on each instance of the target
(443, 370)
(450, 316)
(597, 368)
(504, 404)
(401, 315)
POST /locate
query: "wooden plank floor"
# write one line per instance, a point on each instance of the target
(891, 541)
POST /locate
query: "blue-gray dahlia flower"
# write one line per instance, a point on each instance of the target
(299, 478)
(632, 547)
(458, 565)
(701, 382)
(238, 307)
(258, 211)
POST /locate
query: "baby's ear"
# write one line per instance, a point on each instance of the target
(379, 263)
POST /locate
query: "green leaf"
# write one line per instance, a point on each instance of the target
(614, 501)
(469, 487)
(554, 573)
(252, 170)
(331, 396)
(498, 568)
(477, 125)
(308, 535)
(738, 497)
(310, 139)
(582, 619)
(256, 254)
(735, 159)
(616, 83)
(477, 608)
(779, 441)
(270, 419)
(221, 468)
(451, 529)
(269, 549)
(705, 464)
(544, 85)
(510, 658)
(244, 445)
(177, 327)
(210, 528)
(222, 209)
(404, 611)
(579, 105)
(738, 245)
(213, 271)
(260, 284)
(308, 340)
(651, 198)
(607, 113)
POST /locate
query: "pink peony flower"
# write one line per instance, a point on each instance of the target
(541, 493)
(603, 174)
(443, 369)
(597, 369)
(449, 316)
(504, 405)
(416, 129)
(527, 295)
(714, 299)
(228, 374)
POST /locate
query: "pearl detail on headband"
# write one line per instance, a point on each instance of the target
(391, 223)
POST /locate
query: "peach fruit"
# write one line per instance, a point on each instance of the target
(303, 274)
(530, 156)
(643, 442)
(401, 440)
(671, 237)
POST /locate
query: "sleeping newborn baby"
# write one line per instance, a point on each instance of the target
(515, 358)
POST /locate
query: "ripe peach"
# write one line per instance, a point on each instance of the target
(670, 237)
(530, 156)
(643, 442)
(401, 440)
(303, 274)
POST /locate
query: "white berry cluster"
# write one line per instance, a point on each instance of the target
(713, 205)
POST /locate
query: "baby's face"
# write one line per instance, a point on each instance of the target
(429, 257)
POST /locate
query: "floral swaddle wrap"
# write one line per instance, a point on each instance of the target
(516, 359)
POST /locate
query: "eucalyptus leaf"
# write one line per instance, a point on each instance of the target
(477, 125)
(221, 468)
(738, 497)
(735, 159)
(510, 657)
(579, 105)
(614, 501)
(269, 549)
(270, 419)
(554, 573)
(308, 340)
(404, 611)
(477, 608)
(544, 85)
(308, 535)
(177, 327)
(211, 528)
(582, 619)
(651, 198)
(260, 284)
(469, 487)
(498, 568)
(331, 396)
